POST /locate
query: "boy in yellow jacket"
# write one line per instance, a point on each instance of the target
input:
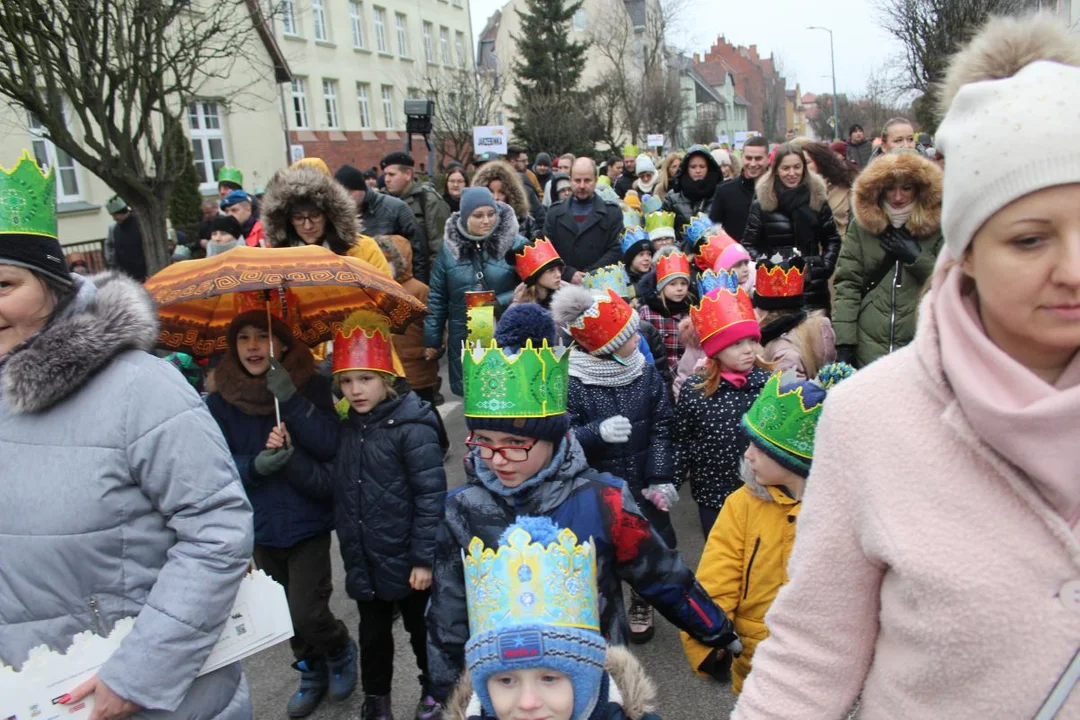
(745, 560)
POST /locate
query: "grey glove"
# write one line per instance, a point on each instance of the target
(269, 462)
(278, 382)
(901, 244)
(615, 429)
(662, 495)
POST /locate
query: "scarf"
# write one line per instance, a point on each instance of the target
(698, 190)
(249, 393)
(737, 379)
(606, 371)
(671, 308)
(215, 248)
(1024, 419)
(647, 187)
(899, 218)
(795, 203)
(490, 480)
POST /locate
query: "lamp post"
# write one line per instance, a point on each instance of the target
(835, 102)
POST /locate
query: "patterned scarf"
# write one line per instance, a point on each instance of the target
(606, 371)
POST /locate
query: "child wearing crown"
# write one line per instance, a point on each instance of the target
(792, 337)
(524, 461)
(744, 564)
(540, 268)
(389, 488)
(666, 299)
(620, 413)
(708, 443)
(636, 253)
(536, 649)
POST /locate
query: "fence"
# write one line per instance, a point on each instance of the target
(91, 252)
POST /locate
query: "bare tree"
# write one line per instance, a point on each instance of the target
(125, 71)
(871, 109)
(463, 99)
(703, 131)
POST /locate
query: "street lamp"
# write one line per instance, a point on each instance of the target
(835, 102)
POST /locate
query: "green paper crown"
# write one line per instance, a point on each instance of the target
(782, 420)
(531, 384)
(659, 219)
(27, 199)
(231, 175)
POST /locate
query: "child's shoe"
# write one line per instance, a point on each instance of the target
(314, 682)
(343, 672)
(640, 617)
(376, 707)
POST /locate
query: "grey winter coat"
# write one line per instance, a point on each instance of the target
(431, 212)
(387, 215)
(120, 499)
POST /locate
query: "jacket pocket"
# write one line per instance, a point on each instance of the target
(749, 567)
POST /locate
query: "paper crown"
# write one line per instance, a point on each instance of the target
(694, 230)
(660, 225)
(230, 175)
(634, 240)
(609, 277)
(531, 384)
(603, 180)
(651, 203)
(711, 248)
(28, 199)
(535, 258)
(630, 217)
(630, 151)
(526, 583)
(723, 318)
(670, 266)
(781, 284)
(363, 343)
(711, 280)
(605, 322)
(632, 200)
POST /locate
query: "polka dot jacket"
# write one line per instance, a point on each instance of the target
(709, 440)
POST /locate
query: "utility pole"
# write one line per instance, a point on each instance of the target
(835, 100)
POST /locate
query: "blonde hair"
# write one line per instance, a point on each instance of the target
(387, 379)
(664, 183)
(806, 336)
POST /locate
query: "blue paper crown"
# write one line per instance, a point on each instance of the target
(630, 217)
(695, 229)
(609, 276)
(650, 204)
(712, 279)
(632, 237)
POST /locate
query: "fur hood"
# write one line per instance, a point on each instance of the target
(637, 692)
(109, 314)
(513, 187)
(766, 191)
(400, 269)
(303, 185)
(495, 245)
(866, 199)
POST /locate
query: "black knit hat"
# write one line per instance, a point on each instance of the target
(227, 224)
(351, 178)
(397, 158)
(36, 253)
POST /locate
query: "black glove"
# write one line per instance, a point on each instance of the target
(901, 244)
(269, 462)
(845, 354)
(279, 383)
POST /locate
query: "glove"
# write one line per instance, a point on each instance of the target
(735, 647)
(845, 354)
(902, 244)
(615, 429)
(278, 382)
(269, 462)
(662, 495)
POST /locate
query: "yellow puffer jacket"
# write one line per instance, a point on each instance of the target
(368, 250)
(743, 567)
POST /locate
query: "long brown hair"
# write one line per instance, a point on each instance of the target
(837, 172)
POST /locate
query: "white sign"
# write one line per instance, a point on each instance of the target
(655, 140)
(490, 138)
(296, 152)
(742, 137)
(723, 140)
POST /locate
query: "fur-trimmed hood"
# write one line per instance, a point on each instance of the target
(887, 170)
(109, 314)
(400, 268)
(307, 186)
(495, 245)
(636, 693)
(766, 191)
(513, 187)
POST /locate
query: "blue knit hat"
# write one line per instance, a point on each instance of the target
(475, 197)
(236, 196)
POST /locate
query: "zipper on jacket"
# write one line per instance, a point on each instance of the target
(95, 610)
(892, 309)
(749, 567)
(697, 608)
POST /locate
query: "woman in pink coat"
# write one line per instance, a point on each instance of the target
(937, 567)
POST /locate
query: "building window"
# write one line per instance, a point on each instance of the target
(402, 35)
(579, 20)
(207, 141)
(318, 18)
(299, 102)
(388, 106)
(329, 93)
(48, 155)
(459, 46)
(444, 45)
(362, 93)
(356, 17)
(429, 50)
(289, 25)
(380, 29)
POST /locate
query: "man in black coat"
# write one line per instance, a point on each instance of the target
(626, 179)
(584, 229)
(731, 203)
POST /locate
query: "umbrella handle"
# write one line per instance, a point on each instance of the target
(270, 333)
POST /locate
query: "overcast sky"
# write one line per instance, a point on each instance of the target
(779, 26)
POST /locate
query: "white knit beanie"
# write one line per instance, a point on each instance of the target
(643, 165)
(1011, 103)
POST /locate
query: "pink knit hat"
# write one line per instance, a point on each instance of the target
(731, 256)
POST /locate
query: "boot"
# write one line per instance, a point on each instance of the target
(428, 708)
(640, 616)
(314, 681)
(343, 672)
(376, 707)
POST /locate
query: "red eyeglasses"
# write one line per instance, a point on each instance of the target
(510, 453)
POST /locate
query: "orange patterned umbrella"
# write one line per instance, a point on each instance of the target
(197, 299)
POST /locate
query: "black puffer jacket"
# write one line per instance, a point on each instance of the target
(387, 215)
(389, 491)
(770, 231)
(688, 198)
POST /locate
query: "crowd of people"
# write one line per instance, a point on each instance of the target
(860, 359)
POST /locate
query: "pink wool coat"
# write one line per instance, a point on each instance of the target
(928, 574)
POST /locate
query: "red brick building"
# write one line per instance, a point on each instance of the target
(756, 80)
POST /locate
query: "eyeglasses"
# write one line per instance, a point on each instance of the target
(312, 218)
(510, 453)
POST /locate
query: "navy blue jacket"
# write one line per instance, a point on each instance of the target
(287, 509)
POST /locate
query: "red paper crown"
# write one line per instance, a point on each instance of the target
(711, 248)
(534, 258)
(672, 263)
(783, 280)
(724, 318)
(603, 323)
(363, 343)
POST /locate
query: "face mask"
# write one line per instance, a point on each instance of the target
(213, 248)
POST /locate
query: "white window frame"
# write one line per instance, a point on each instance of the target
(459, 46)
(46, 153)
(320, 26)
(206, 121)
(401, 25)
(298, 90)
(387, 93)
(429, 47)
(363, 101)
(356, 16)
(380, 28)
(289, 24)
(444, 45)
(329, 90)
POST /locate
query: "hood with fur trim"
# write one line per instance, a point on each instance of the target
(495, 245)
(513, 187)
(109, 314)
(298, 186)
(766, 191)
(888, 170)
(392, 250)
(632, 689)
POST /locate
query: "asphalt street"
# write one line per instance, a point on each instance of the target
(682, 695)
